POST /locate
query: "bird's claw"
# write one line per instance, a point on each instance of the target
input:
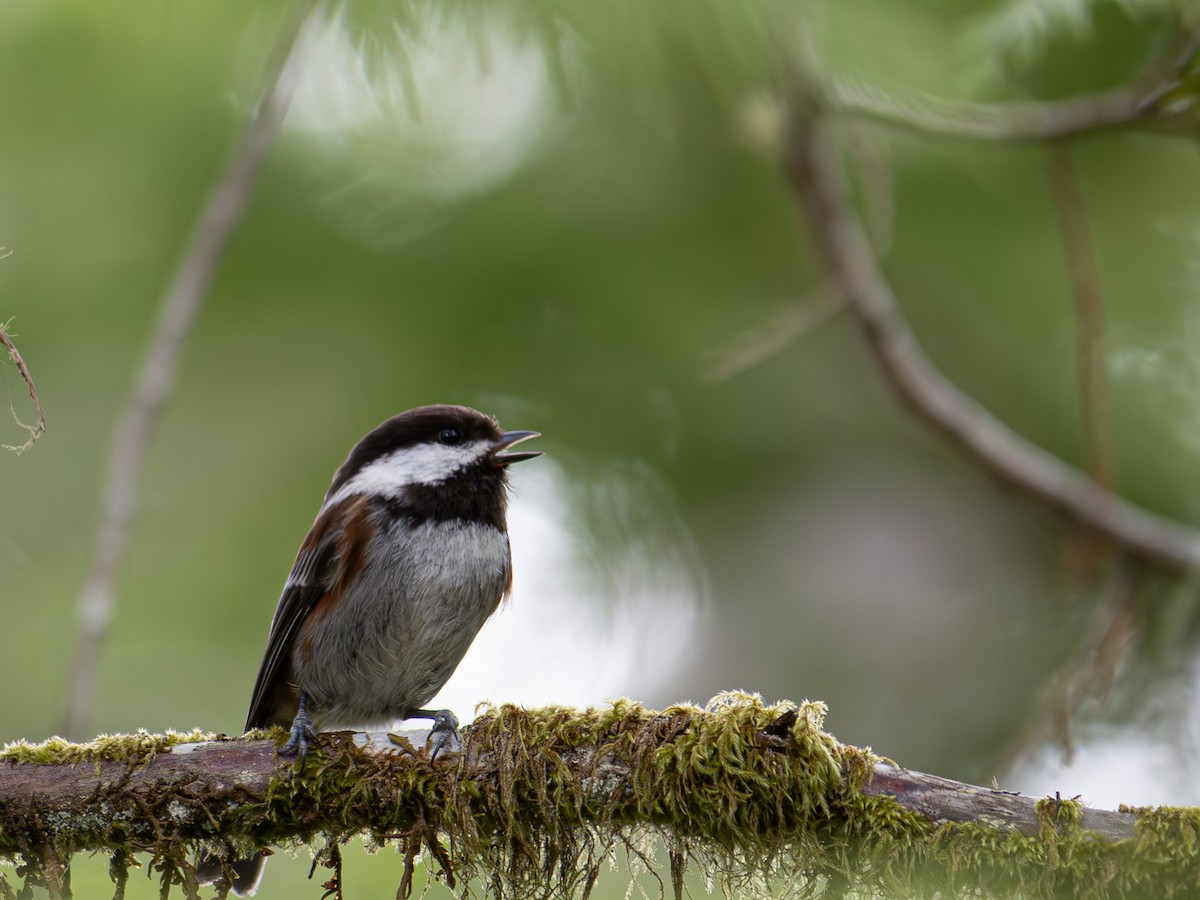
(303, 734)
(444, 732)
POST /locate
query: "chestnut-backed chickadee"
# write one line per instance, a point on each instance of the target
(407, 558)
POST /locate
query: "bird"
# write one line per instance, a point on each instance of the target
(407, 558)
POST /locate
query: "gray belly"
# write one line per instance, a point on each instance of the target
(392, 642)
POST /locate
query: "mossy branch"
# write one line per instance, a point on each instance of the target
(539, 800)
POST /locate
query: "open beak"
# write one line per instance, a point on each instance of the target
(511, 439)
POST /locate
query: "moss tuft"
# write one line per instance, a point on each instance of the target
(132, 748)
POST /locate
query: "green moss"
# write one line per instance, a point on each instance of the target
(757, 796)
(133, 748)
(1058, 816)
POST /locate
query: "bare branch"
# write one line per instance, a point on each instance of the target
(180, 305)
(943, 800)
(821, 192)
(37, 429)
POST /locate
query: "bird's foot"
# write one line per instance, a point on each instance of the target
(444, 734)
(303, 734)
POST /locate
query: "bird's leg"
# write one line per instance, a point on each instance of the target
(444, 731)
(302, 732)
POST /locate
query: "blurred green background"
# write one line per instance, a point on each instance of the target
(567, 214)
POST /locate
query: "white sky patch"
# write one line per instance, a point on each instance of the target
(1165, 372)
(409, 120)
(1147, 762)
(1120, 768)
(1019, 32)
(420, 464)
(575, 632)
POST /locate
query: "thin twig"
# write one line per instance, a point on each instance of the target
(37, 429)
(1090, 673)
(1089, 310)
(777, 333)
(181, 303)
(820, 189)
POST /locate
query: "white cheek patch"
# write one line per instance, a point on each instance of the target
(422, 464)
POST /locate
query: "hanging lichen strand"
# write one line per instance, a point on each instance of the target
(756, 797)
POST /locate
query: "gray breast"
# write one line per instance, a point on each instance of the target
(397, 636)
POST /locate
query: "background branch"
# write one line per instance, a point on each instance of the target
(1089, 673)
(990, 121)
(821, 192)
(1149, 100)
(38, 428)
(758, 344)
(180, 305)
(1089, 310)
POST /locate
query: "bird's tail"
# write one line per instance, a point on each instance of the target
(247, 873)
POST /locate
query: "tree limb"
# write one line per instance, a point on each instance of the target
(179, 307)
(222, 771)
(821, 193)
(544, 797)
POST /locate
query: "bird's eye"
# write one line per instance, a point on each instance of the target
(450, 436)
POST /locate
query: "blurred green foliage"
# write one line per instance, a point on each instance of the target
(584, 291)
